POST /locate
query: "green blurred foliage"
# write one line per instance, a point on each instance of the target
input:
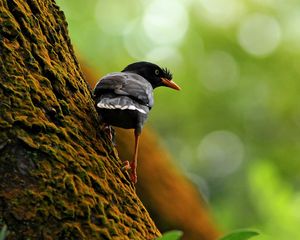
(171, 235)
(240, 235)
(3, 232)
(237, 64)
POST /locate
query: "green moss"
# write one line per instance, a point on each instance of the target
(70, 185)
(28, 141)
(112, 229)
(114, 216)
(6, 120)
(72, 231)
(104, 234)
(9, 28)
(64, 107)
(132, 233)
(103, 220)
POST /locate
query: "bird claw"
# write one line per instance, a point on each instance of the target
(126, 165)
(111, 133)
(130, 166)
(133, 177)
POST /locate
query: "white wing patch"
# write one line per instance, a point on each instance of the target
(125, 107)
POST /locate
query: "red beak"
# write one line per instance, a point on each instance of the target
(170, 84)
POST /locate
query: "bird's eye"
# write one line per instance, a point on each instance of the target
(156, 72)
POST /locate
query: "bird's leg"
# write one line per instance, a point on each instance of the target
(133, 164)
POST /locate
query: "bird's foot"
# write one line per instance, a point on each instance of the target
(133, 177)
(126, 165)
(111, 133)
(130, 166)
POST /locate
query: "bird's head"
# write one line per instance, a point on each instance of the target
(154, 74)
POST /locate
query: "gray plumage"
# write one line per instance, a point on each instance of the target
(124, 99)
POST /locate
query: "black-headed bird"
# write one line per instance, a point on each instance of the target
(124, 99)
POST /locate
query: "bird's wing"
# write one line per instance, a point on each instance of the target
(126, 84)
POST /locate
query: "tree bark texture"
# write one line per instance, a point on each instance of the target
(59, 177)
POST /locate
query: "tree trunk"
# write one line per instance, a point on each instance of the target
(60, 177)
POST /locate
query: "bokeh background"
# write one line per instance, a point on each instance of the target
(234, 128)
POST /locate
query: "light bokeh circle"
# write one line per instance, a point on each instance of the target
(166, 21)
(221, 152)
(220, 72)
(259, 34)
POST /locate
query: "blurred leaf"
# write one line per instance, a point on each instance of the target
(3, 232)
(171, 235)
(240, 235)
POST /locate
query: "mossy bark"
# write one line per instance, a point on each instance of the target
(60, 177)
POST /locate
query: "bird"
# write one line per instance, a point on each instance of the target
(124, 99)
